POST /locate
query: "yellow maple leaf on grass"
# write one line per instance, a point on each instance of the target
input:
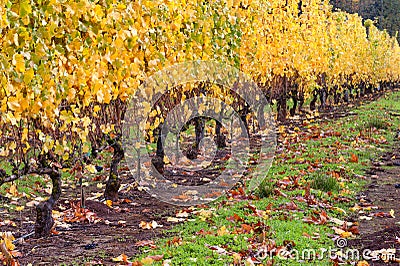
(222, 231)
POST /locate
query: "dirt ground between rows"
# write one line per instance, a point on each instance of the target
(382, 233)
(94, 244)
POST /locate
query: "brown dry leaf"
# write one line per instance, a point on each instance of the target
(182, 197)
(203, 232)
(339, 222)
(384, 214)
(144, 243)
(235, 218)
(354, 158)
(150, 259)
(149, 225)
(53, 231)
(362, 263)
(247, 229)
(322, 219)
(354, 230)
(280, 193)
(217, 249)
(78, 214)
(291, 206)
(121, 223)
(156, 257)
(176, 241)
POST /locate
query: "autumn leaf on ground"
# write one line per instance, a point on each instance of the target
(339, 222)
(149, 260)
(176, 241)
(384, 214)
(291, 206)
(235, 218)
(144, 243)
(342, 233)
(109, 203)
(121, 258)
(149, 225)
(7, 223)
(222, 231)
(363, 217)
(8, 254)
(121, 223)
(175, 219)
(354, 158)
(78, 214)
(322, 219)
(13, 190)
(181, 216)
(217, 249)
(204, 214)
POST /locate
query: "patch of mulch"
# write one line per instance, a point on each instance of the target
(382, 232)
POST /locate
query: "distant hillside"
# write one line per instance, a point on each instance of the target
(385, 12)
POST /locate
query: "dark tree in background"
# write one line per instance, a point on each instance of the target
(385, 12)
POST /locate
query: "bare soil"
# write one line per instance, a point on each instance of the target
(382, 232)
(96, 243)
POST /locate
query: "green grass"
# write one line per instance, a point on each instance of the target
(323, 182)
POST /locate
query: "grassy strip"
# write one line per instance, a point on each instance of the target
(330, 157)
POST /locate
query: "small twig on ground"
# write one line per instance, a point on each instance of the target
(394, 114)
(23, 237)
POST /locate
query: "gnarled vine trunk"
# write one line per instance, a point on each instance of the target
(158, 160)
(220, 138)
(44, 220)
(282, 108)
(199, 124)
(114, 183)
